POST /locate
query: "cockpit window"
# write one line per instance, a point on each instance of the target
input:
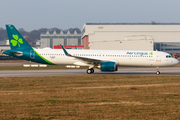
(168, 56)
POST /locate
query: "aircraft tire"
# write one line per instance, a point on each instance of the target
(89, 71)
(92, 70)
(158, 73)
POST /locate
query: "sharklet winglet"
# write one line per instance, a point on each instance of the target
(65, 51)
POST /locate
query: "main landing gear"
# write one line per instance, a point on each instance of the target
(89, 71)
(157, 71)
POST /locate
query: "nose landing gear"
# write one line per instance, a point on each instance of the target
(157, 71)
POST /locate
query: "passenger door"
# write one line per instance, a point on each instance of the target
(158, 57)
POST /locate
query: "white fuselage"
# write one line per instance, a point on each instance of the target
(120, 57)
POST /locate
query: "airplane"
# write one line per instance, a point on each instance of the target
(105, 60)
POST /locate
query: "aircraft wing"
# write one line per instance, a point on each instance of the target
(86, 59)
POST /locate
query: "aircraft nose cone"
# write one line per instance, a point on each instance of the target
(176, 61)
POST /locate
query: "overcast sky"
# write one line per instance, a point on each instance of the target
(64, 14)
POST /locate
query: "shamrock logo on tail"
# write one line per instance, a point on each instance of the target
(16, 41)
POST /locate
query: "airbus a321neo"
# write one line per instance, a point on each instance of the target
(105, 60)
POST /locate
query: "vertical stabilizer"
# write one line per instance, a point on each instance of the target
(16, 41)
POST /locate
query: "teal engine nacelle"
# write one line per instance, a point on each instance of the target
(108, 66)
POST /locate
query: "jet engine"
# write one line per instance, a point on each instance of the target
(109, 66)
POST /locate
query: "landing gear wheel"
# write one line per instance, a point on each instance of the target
(158, 73)
(157, 68)
(92, 70)
(89, 71)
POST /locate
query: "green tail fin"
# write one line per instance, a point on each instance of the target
(16, 40)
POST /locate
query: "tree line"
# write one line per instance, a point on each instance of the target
(34, 35)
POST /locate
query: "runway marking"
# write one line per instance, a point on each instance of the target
(128, 86)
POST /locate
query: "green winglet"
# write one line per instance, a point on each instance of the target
(65, 51)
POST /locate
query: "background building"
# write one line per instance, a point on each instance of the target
(69, 47)
(4, 45)
(53, 39)
(132, 36)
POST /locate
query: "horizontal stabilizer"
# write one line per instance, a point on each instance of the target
(15, 53)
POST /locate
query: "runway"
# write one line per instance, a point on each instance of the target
(82, 72)
(15, 63)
